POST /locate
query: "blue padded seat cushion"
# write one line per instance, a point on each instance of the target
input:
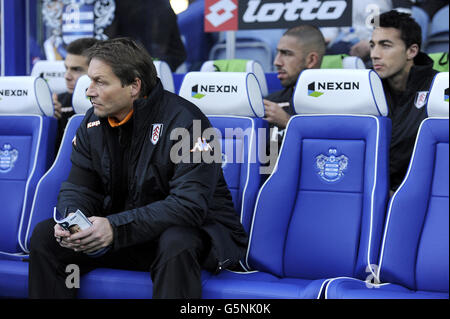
(349, 288)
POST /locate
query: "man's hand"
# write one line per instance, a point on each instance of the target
(61, 236)
(99, 235)
(57, 106)
(275, 114)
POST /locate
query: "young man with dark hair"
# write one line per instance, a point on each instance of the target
(407, 74)
(76, 65)
(151, 213)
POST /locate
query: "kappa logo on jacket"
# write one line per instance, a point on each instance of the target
(92, 124)
(156, 133)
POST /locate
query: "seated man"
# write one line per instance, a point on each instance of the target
(301, 47)
(149, 212)
(76, 65)
(407, 74)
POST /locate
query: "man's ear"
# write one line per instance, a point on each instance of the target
(136, 88)
(412, 51)
(312, 59)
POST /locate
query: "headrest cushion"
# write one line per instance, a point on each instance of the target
(339, 91)
(80, 102)
(53, 72)
(165, 74)
(438, 105)
(238, 65)
(224, 93)
(25, 95)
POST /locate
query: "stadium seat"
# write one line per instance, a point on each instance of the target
(197, 42)
(52, 72)
(236, 65)
(342, 61)
(103, 282)
(438, 36)
(415, 250)
(320, 214)
(14, 273)
(238, 118)
(165, 74)
(27, 137)
(115, 283)
(251, 45)
(423, 19)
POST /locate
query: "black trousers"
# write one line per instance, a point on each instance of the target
(174, 262)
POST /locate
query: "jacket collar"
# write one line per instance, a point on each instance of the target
(147, 109)
(423, 64)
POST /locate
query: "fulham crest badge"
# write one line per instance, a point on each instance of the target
(156, 133)
(421, 99)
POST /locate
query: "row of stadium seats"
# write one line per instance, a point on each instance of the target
(316, 224)
(435, 31)
(261, 45)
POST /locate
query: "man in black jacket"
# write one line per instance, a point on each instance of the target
(76, 65)
(301, 47)
(149, 211)
(407, 75)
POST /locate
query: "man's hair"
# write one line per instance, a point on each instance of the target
(77, 47)
(310, 38)
(410, 30)
(128, 61)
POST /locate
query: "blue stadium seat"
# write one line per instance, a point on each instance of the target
(238, 118)
(27, 137)
(320, 214)
(197, 42)
(14, 273)
(423, 19)
(115, 283)
(415, 251)
(438, 35)
(251, 45)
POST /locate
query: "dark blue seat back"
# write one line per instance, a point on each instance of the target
(415, 251)
(312, 223)
(26, 148)
(241, 167)
(47, 190)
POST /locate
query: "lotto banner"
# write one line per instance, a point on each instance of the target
(228, 15)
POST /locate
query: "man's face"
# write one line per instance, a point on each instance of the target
(388, 52)
(108, 96)
(290, 60)
(76, 66)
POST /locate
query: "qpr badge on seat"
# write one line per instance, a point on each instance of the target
(331, 167)
(156, 133)
(8, 156)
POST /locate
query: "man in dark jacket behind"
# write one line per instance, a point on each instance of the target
(76, 65)
(407, 75)
(148, 211)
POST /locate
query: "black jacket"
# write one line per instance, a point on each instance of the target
(283, 97)
(406, 113)
(160, 193)
(66, 112)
